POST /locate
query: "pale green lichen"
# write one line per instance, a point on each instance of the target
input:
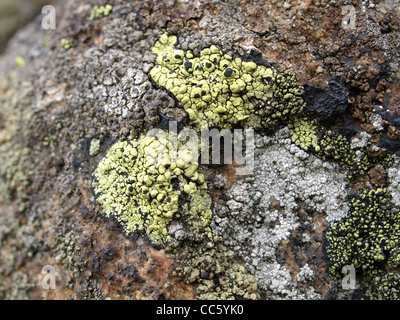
(216, 89)
(66, 44)
(100, 11)
(145, 187)
(94, 147)
(19, 61)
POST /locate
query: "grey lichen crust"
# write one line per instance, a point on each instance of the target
(394, 181)
(113, 82)
(262, 210)
(215, 270)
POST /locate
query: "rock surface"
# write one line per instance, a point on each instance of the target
(67, 95)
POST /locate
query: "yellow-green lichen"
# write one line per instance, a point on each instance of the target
(147, 183)
(331, 145)
(100, 11)
(46, 41)
(383, 285)
(336, 147)
(19, 61)
(368, 239)
(216, 89)
(304, 133)
(66, 44)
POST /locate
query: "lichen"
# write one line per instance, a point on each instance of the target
(331, 145)
(216, 89)
(383, 285)
(214, 271)
(100, 11)
(19, 61)
(94, 147)
(304, 133)
(66, 44)
(142, 185)
(367, 239)
(259, 213)
(16, 167)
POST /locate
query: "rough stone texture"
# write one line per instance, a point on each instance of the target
(16, 13)
(63, 108)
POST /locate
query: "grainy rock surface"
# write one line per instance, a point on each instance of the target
(67, 95)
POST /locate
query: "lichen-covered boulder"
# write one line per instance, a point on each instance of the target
(88, 192)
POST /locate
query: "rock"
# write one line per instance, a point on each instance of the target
(67, 96)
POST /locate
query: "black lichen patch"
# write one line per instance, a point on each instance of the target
(324, 105)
